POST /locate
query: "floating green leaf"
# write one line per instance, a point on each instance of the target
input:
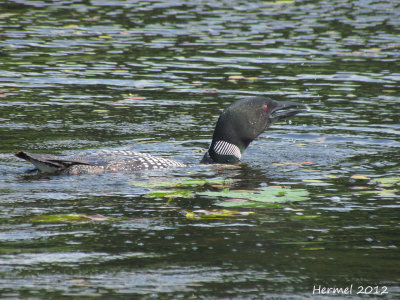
(68, 218)
(330, 176)
(215, 214)
(7, 15)
(248, 204)
(382, 193)
(312, 248)
(170, 194)
(388, 181)
(258, 198)
(356, 176)
(278, 2)
(313, 180)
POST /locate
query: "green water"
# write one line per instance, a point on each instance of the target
(151, 76)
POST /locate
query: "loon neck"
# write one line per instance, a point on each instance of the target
(222, 152)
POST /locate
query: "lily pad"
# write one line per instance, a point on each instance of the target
(383, 193)
(236, 203)
(313, 180)
(330, 176)
(258, 198)
(185, 182)
(236, 77)
(215, 214)
(388, 181)
(68, 218)
(312, 249)
(170, 194)
(7, 15)
(359, 177)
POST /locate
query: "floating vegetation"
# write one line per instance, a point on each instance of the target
(382, 193)
(278, 2)
(235, 78)
(215, 214)
(386, 187)
(264, 197)
(185, 182)
(68, 218)
(387, 182)
(181, 187)
(359, 177)
(170, 194)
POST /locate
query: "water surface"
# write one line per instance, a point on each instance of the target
(152, 76)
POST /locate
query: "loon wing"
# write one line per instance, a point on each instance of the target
(98, 162)
(47, 163)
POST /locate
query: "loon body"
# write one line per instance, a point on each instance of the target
(238, 125)
(103, 161)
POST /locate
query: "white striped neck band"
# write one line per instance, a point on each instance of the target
(225, 148)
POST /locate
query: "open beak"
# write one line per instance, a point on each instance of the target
(285, 109)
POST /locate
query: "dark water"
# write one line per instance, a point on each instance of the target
(151, 76)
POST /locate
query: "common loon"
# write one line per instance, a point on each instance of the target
(238, 125)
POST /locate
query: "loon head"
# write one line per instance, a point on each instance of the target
(241, 122)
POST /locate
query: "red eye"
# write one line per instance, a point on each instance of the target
(265, 107)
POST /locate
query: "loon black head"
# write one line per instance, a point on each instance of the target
(241, 122)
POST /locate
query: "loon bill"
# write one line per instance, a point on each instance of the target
(238, 125)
